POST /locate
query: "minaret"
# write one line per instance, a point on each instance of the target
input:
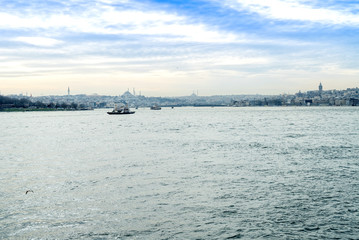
(68, 91)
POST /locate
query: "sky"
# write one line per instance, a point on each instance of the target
(175, 48)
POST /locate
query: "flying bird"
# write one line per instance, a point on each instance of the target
(29, 191)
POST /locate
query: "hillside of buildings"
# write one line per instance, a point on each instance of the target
(31, 104)
(320, 97)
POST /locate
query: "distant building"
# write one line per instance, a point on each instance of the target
(127, 95)
(320, 89)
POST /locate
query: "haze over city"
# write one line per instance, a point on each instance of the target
(172, 48)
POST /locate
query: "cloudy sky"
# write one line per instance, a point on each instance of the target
(172, 48)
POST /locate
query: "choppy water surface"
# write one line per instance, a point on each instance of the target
(183, 173)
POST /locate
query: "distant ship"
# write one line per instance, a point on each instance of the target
(121, 110)
(155, 107)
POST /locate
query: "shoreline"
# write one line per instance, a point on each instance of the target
(39, 110)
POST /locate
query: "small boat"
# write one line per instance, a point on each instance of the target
(121, 110)
(155, 107)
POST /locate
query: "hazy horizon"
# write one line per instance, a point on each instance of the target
(172, 48)
(141, 94)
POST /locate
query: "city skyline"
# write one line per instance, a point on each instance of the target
(175, 47)
(133, 92)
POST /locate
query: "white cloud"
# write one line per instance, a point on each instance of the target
(294, 10)
(112, 16)
(105, 19)
(114, 1)
(225, 60)
(39, 41)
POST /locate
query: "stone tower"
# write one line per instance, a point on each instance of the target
(320, 88)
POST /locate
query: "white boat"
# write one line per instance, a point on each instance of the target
(155, 107)
(121, 110)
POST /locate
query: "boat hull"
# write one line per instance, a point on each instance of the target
(120, 113)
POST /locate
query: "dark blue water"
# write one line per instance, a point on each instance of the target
(183, 173)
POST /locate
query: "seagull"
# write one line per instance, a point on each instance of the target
(29, 191)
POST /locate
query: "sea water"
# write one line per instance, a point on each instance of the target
(182, 173)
